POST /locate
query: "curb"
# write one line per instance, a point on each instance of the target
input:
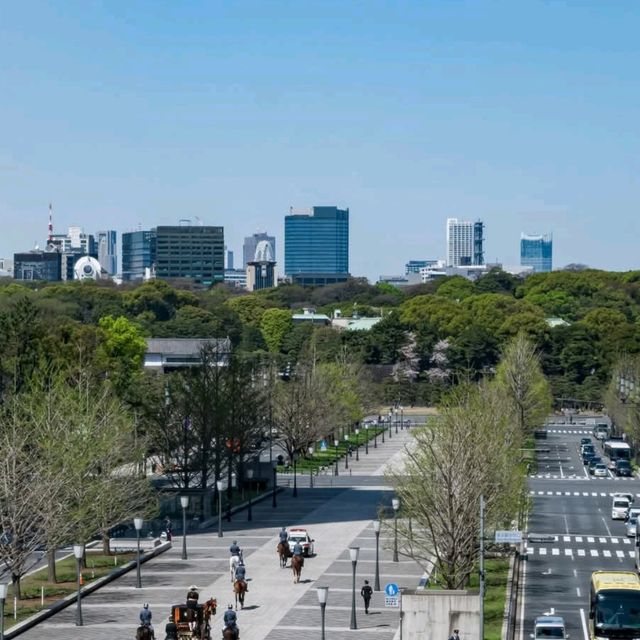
(59, 605)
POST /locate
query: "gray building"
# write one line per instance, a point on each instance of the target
(193, 252)
(38, 265)
(107, 252)
(251, 244)
(179, 353)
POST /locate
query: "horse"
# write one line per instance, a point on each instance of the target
(284, 552)
(296, 564)
(234, 561)
(240, 588)
(229, 634)
(208, 610)
(143, 633)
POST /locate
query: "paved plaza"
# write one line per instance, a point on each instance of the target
(338, 513)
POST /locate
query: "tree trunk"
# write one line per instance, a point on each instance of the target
(106, 549)
(51, 566)
(17, 592)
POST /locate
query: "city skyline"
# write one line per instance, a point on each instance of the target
(407, 114)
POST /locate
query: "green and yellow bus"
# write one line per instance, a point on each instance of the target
(614, 607)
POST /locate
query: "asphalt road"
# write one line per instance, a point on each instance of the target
(571, 533)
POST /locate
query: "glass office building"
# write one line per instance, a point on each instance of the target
(536, 252)
(38, 265)
(107, 257)
(138, 254)
(317, 242)
(194, 252)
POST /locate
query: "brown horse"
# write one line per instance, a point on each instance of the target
(228, 634)
(208, 609)
(297, 563)
(143, 633)
(284, 552)
(240, 588)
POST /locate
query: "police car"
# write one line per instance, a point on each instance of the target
(302, 536)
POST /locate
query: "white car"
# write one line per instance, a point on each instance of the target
(600, 471)
(302, 536)
(623, 494)
(620, 507)
(631, 526)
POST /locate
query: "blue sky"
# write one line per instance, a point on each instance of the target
(137, 113)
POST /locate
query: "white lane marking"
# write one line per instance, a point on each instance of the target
(590, 539)
(567, 493)
(620, 554)
(578, 538)
(555, 552)
(585, 631)
(602, 540)
(542, 551)
(594, 494)
(524, 593)
(530, 550)
(626, 541)
(581, 552)
(632, 554)
(578, 592)
(549, 493)
(614, 540)
(568, 552)
(604, 495)
(606, 526)
(576, 493)
(594, 553)
(566, 538)
(585, 494)
(606, 553)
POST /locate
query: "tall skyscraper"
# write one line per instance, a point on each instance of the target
(194, 252)
(138, 254)
(250, 245)
(536, 251)
(107, 253)
(317, 243)
(465, 242)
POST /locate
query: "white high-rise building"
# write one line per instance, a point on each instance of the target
(107, 253)
(464, 243)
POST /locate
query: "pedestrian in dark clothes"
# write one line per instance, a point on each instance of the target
(366, 593)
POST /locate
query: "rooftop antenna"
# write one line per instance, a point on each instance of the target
(50, 238)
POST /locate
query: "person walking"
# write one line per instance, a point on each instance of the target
(168, 528)
(455, 635)
(366, 592)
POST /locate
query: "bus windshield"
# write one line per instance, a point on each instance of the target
(618, 611)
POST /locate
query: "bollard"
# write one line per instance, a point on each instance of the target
(15, 607)
(42, 596)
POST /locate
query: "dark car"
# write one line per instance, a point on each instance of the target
(585, 440)
(588, 456)
(593, 462)
(623, 468)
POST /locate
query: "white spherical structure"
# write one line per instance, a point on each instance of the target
(264, 252)
(87, 268)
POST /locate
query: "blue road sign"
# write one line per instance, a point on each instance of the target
(391, 589)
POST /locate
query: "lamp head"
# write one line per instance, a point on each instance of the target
(395, 503)
(336, 442)
(357, 431)
(219, 485)
(184, 501)
(311, 450)
(250, 474)
(137, 523)
(4, 587)
(346, 437)
(353, 553)
(322, 592)
(376, 526)
(78, 551)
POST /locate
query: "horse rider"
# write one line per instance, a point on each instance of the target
(171, 629)
(192, 604)
(297, 550)
(145, 617)
(241, 573)
(284, 536)
(231, 621)
(235, 550)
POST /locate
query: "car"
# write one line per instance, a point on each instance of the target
(585, 441)
(302, 536)
(600, 471)
(633, 513)
(593, 462)
(623, 494)
(620, 508)
(549, 628)
(587, 447)
(587, 457)
(631, 527)
(623, 468)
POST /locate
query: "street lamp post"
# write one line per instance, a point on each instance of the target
(311, 450)
(295, 475)
(219, 489)
(346, 452)
(274, 504)
(366, 439)
(353, 552)
(395, 503)
(396, 419)
(184, 503)
(402, 417)
(78, 552)
(3, 596)
(336, 442)
(376, 530)
(137, 523)
(390, 418)
(322, 592)
(357, 444)
(250, 478)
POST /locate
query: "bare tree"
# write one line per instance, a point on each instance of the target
(463, 453)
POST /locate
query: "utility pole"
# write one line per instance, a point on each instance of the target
(481, 568)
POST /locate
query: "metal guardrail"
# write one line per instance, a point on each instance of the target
(512, 611)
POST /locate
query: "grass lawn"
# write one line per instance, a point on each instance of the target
(32, 585)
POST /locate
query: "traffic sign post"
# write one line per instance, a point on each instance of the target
(391, 595)
(508, 537)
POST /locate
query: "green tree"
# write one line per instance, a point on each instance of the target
(249, 308)
(456, 288)
(274, 326)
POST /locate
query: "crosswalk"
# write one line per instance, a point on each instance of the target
(574, 432)
(586, 546)
(574, 476)
(583, 494)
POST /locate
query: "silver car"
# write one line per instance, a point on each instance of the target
(631, 526)
(600, 471)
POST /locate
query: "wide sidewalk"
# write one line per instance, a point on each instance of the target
(276, 609)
